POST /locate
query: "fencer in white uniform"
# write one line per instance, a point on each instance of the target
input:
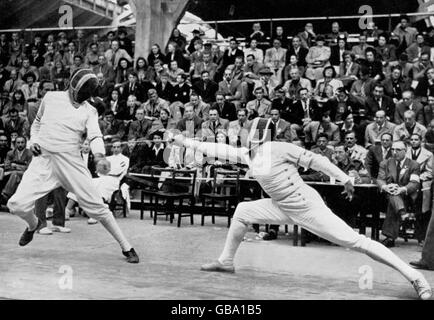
(275, 166)
(62, 120)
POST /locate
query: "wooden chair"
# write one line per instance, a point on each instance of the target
(177, 185)
(226, 192)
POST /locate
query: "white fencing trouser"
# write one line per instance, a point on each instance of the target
(49, 171)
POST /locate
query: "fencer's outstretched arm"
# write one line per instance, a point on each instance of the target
(220, 151)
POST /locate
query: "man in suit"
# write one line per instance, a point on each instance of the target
(13, 84)
(421, 66)
(416, 49)
(379, 101)
(408, 103)
(275, 53)
(104, 87)
(16, 163)
(313, 129)
(139, 128)
(375, 130)
(104, 68)
(206, 88)
(377, 153)
(298, 51)
(144, 156)
(311, 110)
(111, 127)
(231, 88)
(283, 130)
(230, 54)
(260, 104)
(191, 123)
(205, 65)
(211, 127)
(355, 151)
(238, 130)
(399, 180)
(323, 149)
(15, 123)
(227, 110)
(133, 88)
(403, 131)
(200, 108)
(425, 160)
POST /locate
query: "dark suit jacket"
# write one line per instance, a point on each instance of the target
(388, 174)
(315, 111)
(293, 113)
(182, 93)
(138, 91)
(167, 93)
(103, 91)
(181, 126)
(388, 88)
(335, 59)
(208, 93)
(332, 106)
(302, 53)
(387, 105)
(139, 130)
(228, 112)
(401, 108)
(373, 160)
(228, 60)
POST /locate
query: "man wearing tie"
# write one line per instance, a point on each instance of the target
(260, 104)
(239, 129)
(211, 127)
(399, 180)
(377, 153)
(376, 129)
(379, 101)
(408, 103)
(283, 128)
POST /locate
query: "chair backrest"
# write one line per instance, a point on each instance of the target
(226, 181)
(177, 179)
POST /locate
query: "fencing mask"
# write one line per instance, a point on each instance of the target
(262, 130)
(82, 85)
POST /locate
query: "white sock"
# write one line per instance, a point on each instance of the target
(380, 253)
(235, 236)
(112, 226)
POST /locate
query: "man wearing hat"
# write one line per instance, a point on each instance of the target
(275, 166)
(62, 120)
(264, 82)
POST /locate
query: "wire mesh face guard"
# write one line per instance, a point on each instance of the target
(82, 85)
(260, 132)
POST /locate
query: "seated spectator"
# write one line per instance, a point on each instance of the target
(251, 69)
(379, 101)
(337, 53)
(363, 87)
(132, 87)
(174, 71)
(115, 54)
(373, 65)
(119, 163)
(265, 83)
(18, 102)
(78, 64)
(211, 127)
(26, 69)
(182, 89)
(292, 64)
(299, 51)
(425, 86)
(283, 130)
(311, 110)
(229, 55)
(403, 131)
(238, 130)
(4, 149)
(59, 75)
(326, 126)
(205, 65)
(349, 125)
(111, 128)
(308, 36)
(253, 50)
(329, 79)
(323, 149)
(375, 130)
(206, 88)
(396, 84)
(16, 163)
(164, 123)
(44, 87)
(200, 108)
(354, 150)
(13, 84)
(190, 124)
(139, 128)
(348, 69)
(15, 123)
(342, 104)
(122, 71)
(154, 105)
(377, 153)
(386, 52)
(237, 69)
(359, 50)
(174, 54)
(258, 35)
(421, 67)
(36, 59)
(399, 180)
(317, 58)
(144, 156)
(293, 85)
(405, 66)
(231, 88)
(156, 54)
(260, 104)
(428, 110)
(104, 68)
(344, 208)
(409, 103)
(30, 87)
(91, 57)
(104, 88)
(405, 33)
(425, 160)
(416, 49)
(179, 39)
(128, 110)
(275, 53)
(113, 102)
(336, 34)
(164, 88)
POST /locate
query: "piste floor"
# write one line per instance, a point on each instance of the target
(87, 264)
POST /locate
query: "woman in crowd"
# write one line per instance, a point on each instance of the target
(293, 63)
(349, 69)
(179, 39)
(113, 102)
(122, 72)
(17, 102)
(174, 72)
(59, 75)
(156, 54)
(174, 54)
(328, 80)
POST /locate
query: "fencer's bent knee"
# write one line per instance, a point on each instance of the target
(241, 212)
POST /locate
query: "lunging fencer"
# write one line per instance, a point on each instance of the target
(275, 166)
(61, 122)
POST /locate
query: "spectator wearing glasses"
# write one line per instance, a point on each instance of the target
(399, 180)
(409, 103)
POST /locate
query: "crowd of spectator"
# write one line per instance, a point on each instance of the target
(358, 105)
